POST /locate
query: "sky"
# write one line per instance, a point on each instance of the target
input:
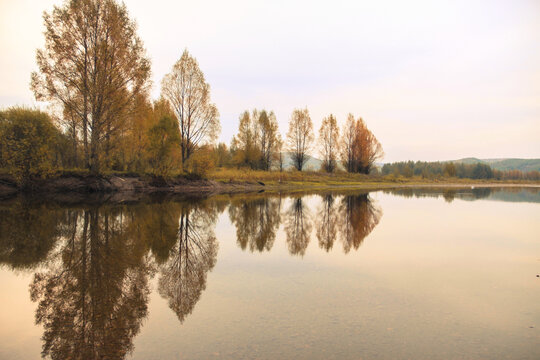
(433, 80)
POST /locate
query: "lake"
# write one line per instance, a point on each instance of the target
(396, 274)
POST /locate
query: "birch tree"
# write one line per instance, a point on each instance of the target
(300, 137)
(328, 142)
(189, 95)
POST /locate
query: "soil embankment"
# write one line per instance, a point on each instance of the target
(85, 185)
(123, 187)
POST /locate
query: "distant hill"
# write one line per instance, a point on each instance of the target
(505, 164)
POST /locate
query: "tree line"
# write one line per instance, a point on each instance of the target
(258, 143)
(94, 74)
(432, 170)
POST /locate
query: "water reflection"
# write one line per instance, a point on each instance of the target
(359, 216)
(94, 294)
(511, 194)
(93, 264)
(28, 233)
(256, 222)
(298, 227)
(327, 224)
(191, 256)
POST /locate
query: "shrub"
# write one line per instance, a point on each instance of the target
(27, 142)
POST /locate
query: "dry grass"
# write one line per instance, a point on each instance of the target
(313, 178)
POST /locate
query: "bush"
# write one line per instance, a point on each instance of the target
(200, 163)
(27, 143)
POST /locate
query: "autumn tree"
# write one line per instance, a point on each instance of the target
(348, 143)
(268, 138)
(258, 142)
(328, 142)
(243, 144)
(131, 145)
(300, 137)
(163, 138)
(359, 147)
(94, 66)
(189, 95)
(222, 155)
(28, 142)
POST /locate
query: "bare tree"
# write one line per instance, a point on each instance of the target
(300, 137)
(268, 137)
(189, 95)
(328, 142)
(94, 66)
(348, 144)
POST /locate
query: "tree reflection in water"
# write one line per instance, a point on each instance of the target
(28, 233)
(192, 256)
(256, 222)
(358, 217)
(93, 291)
(93, 297)
(327, 222)
(298, 227)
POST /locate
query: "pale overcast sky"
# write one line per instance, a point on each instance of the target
(434, 80)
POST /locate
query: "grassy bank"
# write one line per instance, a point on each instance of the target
(341, 179)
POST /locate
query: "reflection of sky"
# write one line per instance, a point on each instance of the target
(460, 282)
(430, 78)
(432, 278)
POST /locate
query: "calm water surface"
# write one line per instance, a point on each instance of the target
(405, 274)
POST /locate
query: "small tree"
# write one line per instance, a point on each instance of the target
(27, 141)
(300, 137)
(328, 142)
(189, 95)
(244, 144)
(163, 139)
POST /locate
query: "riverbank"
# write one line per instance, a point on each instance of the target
(217, 183)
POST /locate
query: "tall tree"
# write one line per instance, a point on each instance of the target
(267, 137)
(300, 137)
(94, 65)
(370, 149)
(189, 95)
(348, 144)
(328, 142)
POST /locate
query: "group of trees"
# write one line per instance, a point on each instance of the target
(258, 143)
(94, 74)
(450, 169)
